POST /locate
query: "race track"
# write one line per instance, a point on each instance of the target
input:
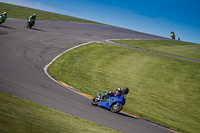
(25, 52)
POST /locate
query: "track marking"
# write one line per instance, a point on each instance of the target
(86, 95)
(130, 114)
(65, 84)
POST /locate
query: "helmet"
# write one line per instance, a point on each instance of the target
(33, 16)
(126, 90)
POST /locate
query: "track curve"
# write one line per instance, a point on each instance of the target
(25, 52)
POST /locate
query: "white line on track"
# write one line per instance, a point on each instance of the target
(46, 67)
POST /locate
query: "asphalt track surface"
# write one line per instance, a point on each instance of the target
(25, 52)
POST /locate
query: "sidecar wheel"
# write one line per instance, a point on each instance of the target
(95, 101)
(115, 109)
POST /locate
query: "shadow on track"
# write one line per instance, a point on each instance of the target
(7, 27)
(37, 29)
(2, 33)
(119, 113)
(123, 114)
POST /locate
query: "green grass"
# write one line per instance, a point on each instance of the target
(179, 48)
(14, 11)
(163, 89)
(21, 116)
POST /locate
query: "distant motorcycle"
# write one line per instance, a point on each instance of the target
(30, 23)
(113, 103)
(2, 19)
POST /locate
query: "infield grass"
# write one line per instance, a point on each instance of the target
(21, 116)
(179, 48)
(163, 89)
(15, 11)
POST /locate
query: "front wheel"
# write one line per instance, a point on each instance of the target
(95, 101)
(115, 108)
(28, 25)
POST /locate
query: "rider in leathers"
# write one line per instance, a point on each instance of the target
(118, 92)
(4, 15)
(33, 17)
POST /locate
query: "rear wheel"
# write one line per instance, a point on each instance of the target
(115, 109)
(95, 101)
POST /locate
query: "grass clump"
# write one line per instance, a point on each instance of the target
(21, 116)
(163, 89)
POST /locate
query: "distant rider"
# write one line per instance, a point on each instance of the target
(172, 35)
(33, 17)
(4, 15)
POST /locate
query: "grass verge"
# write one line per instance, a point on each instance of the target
(21, 116)
(15, 11)
(163, 89)
(179, 48)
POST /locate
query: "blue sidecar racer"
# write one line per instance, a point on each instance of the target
(111, 101)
